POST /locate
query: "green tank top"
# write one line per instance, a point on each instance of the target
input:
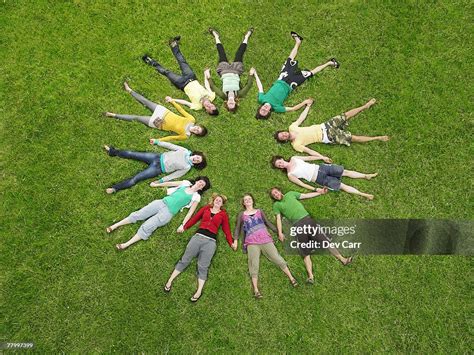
(230, 82)
(178, 200)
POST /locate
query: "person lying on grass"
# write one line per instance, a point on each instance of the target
(333, 131)
(182, 194)
(200, 97)
(163, 119)
(289, 206)
(176, 162)
(230, 73)
(327, 175)
(290, 78)
(203, 243)
(252, 224)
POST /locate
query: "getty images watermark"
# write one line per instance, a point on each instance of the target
(13, 346)
(328, 231)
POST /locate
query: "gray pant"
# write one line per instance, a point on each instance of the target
(201, 247)
(156, 213)
(145, 102)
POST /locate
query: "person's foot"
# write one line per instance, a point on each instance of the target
(167, 288)
(126, 87)
(108, 114)
(335, 63)
(119, 247)
(257, 295)
(294, 283)
(296, 37)
(213, 32)
(370, 197)
(371, 102)
(385, 138)
(110, 190)
(173, 42)
(370, 176)
(195, 297)
(310, 280)
(109, 230)
(249, 32)
(149, 60)
(347, 261)
(107, 148)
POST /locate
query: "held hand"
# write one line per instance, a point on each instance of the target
(155, 184)
(207, 73)
(327, 160)
(252, 71)
(234, 245)
(281, 237)
(309, 101)
(168, 99)
(322, 191)
(152, 141)
(180, 229)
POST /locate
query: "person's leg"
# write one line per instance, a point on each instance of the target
(222, 57)
(192, 250)
(352, 190)
(294, 51)
(150, 172)
(239, 55)
(130, 118)
(140, 215)
(145, 157)
(123, 222)
(309, 266)
(364, 139)
(175, 79)
(143, 100)
(322, 67)
(183, 64)
(207, 250)
(131, 241)
(253, 258)
(271, 252)
(356, 175)
(355, 111)
(173, 275)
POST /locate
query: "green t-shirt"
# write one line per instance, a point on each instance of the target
(290, 207)
(276, 96)
(179, 198)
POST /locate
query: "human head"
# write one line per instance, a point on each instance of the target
(199, 160)
(278, 162)
(217, 200)
(264, 111)
(210, 107)
(202, 182)
(231, 105)
(282, 136)
(276, 194)
(248, 201)
(198, 130)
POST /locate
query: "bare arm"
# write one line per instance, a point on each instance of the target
(281, 236)
(258, 82)
(165, 184)
(207, 75)
(318, 192)
(183, 102)
(191, 211)
(298, 182)
(304, 114)
(316, 155)
(181, 110)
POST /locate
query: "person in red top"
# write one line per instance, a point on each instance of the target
(203, 243)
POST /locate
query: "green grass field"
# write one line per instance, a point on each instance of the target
(65, 288)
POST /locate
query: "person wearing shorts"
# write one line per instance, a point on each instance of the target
(162, 118)
(200, 96)
(289, 206)
(333, 131)
(290, 78)
(327, 175)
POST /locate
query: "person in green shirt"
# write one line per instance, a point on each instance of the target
(290, 78)
(289, 206)
(230, 73)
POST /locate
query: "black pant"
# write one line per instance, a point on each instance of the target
(154, 167)
(187, 74)
(239, 55)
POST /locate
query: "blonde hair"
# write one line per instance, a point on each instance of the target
(216, 195)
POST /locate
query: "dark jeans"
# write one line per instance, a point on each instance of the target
(154, 166)
(187, 74)
(239, 55)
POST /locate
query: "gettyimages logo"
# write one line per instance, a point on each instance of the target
(340, 231)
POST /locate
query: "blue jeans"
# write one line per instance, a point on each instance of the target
(180, 81)
(154, 166)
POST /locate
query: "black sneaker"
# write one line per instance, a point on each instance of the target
(149, 60)
(174, 41)
(335, 63)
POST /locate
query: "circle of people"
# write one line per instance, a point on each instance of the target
(252, 225)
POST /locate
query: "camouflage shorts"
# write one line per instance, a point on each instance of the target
(336, 129)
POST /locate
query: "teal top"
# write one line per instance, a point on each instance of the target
(178, 200)
(276, 96)
(290, 207)
(230, 82)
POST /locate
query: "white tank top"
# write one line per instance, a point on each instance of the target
(304, 170)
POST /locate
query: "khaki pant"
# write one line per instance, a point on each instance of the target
(269, 250)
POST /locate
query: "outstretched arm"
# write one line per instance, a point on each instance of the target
(185, 223)
(183, 102)
(180, 137)
(217, 90)
(308, 103)
(166, 145)
(165, 184)
(207, 75)
(258, 82)
(248, 85)
(298, 182)
(318, 192)
(316, 155)
(281, 236)
(179, 108)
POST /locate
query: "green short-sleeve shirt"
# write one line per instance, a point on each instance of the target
(276, 96)
(290, 207)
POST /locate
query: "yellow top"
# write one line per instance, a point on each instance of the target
(176, 123)
(305, 136)
(196, 92)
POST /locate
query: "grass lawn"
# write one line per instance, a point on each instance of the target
(63, 285)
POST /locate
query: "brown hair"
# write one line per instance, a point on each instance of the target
(242, 200)
(216, 195)
(270, 192)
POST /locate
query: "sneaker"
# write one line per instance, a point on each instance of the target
(174, 41)
(335, 63)
(149, 60)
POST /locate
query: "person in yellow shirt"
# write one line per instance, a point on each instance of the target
(200, 96)
(330, 132)
(163, 119)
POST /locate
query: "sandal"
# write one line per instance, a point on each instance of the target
(251, 29)
(296, 35)
(175, 39)
(258, 295)
(109, 230)
(212, 31)
(310, 280)
(119, 247)
(195, 299)
(294, 283)
(167, 289)
(335, 63)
